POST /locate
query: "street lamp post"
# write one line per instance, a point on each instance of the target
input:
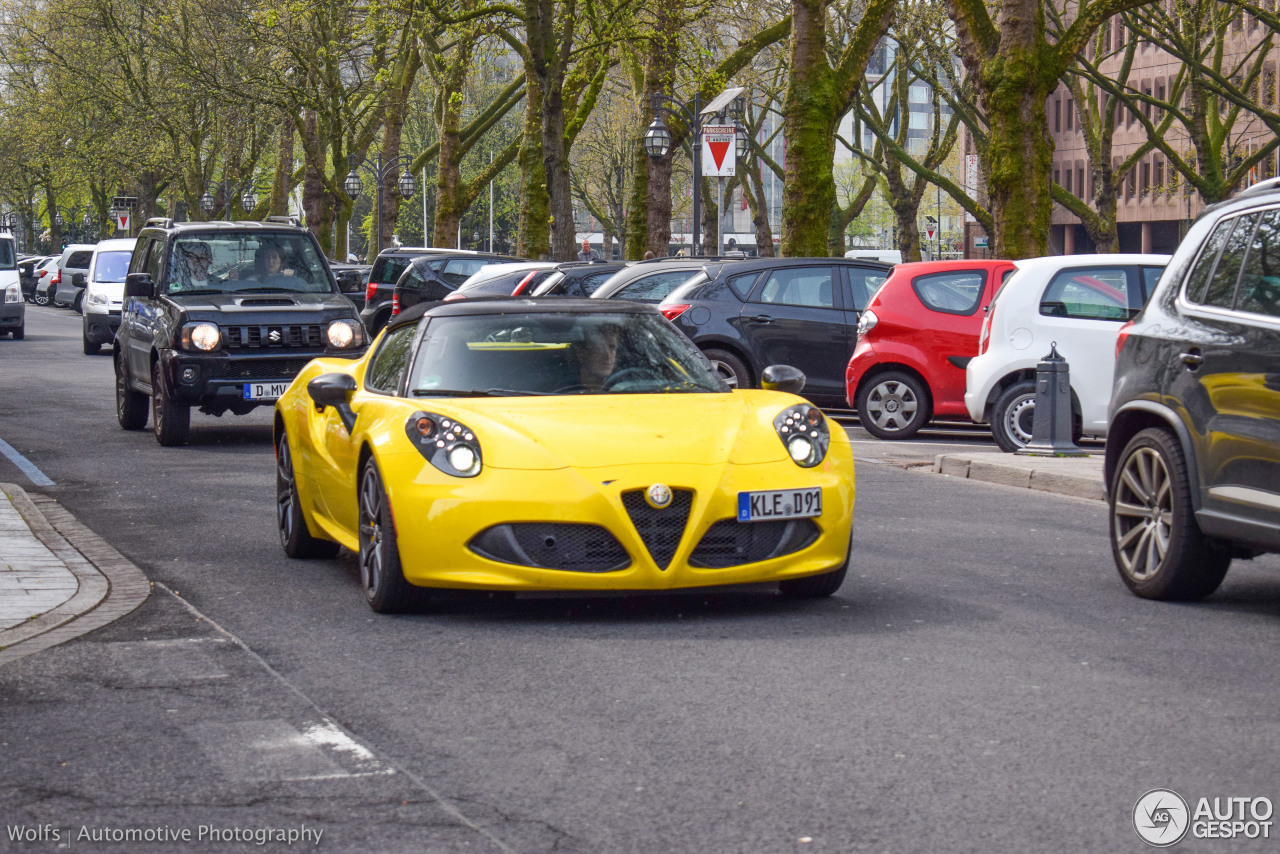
(380, 171)
(247, 198)
(657, 142)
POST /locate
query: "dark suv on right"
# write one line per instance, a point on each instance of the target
(1193, 450)
(439, 273)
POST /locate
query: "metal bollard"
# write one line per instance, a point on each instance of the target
(1051, 422)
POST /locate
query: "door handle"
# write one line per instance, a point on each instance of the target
(763, 318)
(1192, 358)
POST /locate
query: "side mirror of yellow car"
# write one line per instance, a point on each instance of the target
(782, 378)
(334, 390)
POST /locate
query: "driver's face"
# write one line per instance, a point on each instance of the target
(599, 355)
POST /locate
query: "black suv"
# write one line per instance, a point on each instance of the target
(1193, 450)
(747, 315)
(223, 316)
(439, 273)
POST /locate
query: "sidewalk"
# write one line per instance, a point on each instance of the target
(58, 579)
(1080, 477)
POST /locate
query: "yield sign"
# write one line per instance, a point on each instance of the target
(929, 232)
(122, 220)
(719, 157)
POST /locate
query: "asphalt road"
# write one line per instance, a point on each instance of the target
(982, 682)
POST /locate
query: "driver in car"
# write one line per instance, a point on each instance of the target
(597, 355)
(193, 267)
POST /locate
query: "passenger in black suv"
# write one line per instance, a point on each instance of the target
(1193, 451)
(747, 315)
(223, 316)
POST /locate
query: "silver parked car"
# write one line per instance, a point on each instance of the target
(74, 262)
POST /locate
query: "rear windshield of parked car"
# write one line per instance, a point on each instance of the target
(8, 260)
(246, 262)
(79, 260)
(112, 266)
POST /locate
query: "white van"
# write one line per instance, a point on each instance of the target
(104, 292)
(888, 256)
(13, 309)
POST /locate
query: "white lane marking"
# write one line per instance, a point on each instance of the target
(25, 465)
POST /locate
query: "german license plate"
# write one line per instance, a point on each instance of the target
(264, 391)
(779, 504)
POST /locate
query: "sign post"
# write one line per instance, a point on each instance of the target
(719, 152)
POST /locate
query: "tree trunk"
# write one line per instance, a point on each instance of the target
(709, 214)
(313, 192)
(448, 171)
(1020, 155)
(753, 190)
(282, 181)
(533, 227)
(392, 128)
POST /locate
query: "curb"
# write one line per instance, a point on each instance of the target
(110, 586)
(1079, 480)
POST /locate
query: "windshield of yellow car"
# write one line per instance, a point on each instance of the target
(549, 353)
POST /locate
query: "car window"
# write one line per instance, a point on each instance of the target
(387, 270)
(112, 266)
(154, 259)
(247, 261)
(1100, 293)
(1150, 276)
(79, 260)
(956, 292)
(1221, 291)
(1260, 278)
(388, 365)
(1199, 278)
(588, 284)
(803, 286)
(742, 285)
(457, 270)
(413, 279)
(864, 283)
(8, 259)
(655, 288)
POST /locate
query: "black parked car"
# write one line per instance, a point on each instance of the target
(1193, 450)
(223, 316)
(747, 315)
(27, 276)
(650, 281)
(576, 279)
(353, 280)
(504, 279)
(438, 274)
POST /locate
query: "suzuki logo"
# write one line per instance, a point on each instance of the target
(274, 336)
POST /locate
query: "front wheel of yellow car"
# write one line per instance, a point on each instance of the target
(381, 577)
(295, 537)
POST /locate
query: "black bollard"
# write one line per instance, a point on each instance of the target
(1051, 421)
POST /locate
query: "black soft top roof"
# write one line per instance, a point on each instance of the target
(507, 305)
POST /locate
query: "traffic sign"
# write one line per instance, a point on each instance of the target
(719, 154)
(122, 220)
(930, 231)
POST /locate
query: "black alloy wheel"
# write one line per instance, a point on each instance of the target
(170, 421)
(381, 576)
(131, 406)
(1158, 547)
(295, 536)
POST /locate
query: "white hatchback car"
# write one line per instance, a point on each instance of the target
(1079, 303)
(104, 292)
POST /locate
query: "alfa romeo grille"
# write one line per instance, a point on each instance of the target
(552, 545)
(733, 543)
(275, 335)
(660, 530)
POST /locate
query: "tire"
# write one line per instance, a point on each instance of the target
(21, 331)
(1159, 550)
(893, 405)
(381, 576)
(1011, 417)
(78, 303)
(729, 368)
(818, 586)
(295, 536)
(379, 320)
(90, 348)
(131, 406)
(39, 298)
(170, 421)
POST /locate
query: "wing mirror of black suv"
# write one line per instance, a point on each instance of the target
(139, 285)
(782, 378)
(335, 390)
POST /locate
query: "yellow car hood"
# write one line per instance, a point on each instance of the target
(590, 431)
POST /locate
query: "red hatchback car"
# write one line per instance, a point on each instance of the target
(914, 339)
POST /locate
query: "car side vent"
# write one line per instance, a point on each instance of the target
(733, 543)
(660, 529)
(552, 545)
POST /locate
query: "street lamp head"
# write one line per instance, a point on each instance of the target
(740, 140)
(58, 219)
(207, 203)
(88, 219)
(407, 185)
(248, 201)
(353, 185)
(657, 139)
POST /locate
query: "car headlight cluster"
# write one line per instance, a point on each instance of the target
(13, 293)
(447, 444)
(203, 336)
(96, 297)
(345, 334)
(803, 431)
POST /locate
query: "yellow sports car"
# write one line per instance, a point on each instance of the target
(532, 445)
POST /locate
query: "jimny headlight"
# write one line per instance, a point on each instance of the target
(201, 336)
(344, 334)
(447, 444)
(803, 431)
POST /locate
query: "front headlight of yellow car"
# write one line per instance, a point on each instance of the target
(447, 444)
(803, 431)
